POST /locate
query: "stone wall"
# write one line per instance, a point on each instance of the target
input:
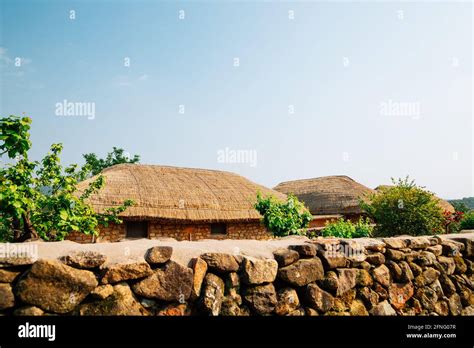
(391, 276)
(162, 228)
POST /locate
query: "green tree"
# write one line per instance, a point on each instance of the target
(40, 199)
(283, 218)
(117, 156)
(404, 209)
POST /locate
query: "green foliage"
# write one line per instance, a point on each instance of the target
(460, 206)
(404, 209)
(467, 222)
(117, 156)
(39, 199)
(283, 218)
(346, 229)
(468, 202)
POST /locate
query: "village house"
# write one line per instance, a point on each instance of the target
(181, 203)
(328, 198)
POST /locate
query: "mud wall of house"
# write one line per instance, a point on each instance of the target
(160, 229)
(392, 276)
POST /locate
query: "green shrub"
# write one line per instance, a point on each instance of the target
(346, 229)
(404, 209)
(467, 222)
(283, 218)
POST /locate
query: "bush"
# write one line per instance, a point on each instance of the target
(404, 209)
(283, 218)
(467, 222)
(346, 229)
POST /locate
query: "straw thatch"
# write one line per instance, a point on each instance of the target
(327, 195)
(444, 205)
(162, 192)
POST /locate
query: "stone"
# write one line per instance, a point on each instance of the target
(125, 271)
(8, 276)
(407, 274)
(220, 262)
(357, 308)
(447, 285)
(122, 302)
(102, 291)
(468, 311)
(305, 250)
(382, 275)
(383, 309)
(381, 291)
(418, 242)
(395, 243)
(147, 303)
(302, 272)
(261, 298)
(230, 308)
(417, 270)
(393, 254)
(84, 259)
(255, 271)
(20, 260)
(395, 270)
(447, 263)
(441, 308)
(332, 259)
(460, 265)
(174, 310)
(28, 311)
(375, 259)
(7, 299)
(427, 277)
(437, 250)
(454, 303)
(298, 312)
(232, 281)
(363, 278)
(346, 279)
(343, 303)
(199, 267)
(365, 265)
(285, 257)
(369, 296)
(425, 258)
(288, 301)
(212, 294)
(173, 282)
(399, 294)
(318, 299)
(158, 255)
(427, 297)
(451, 247)
(436, 286)
(54, 286)
(310, 312)
(330, 282)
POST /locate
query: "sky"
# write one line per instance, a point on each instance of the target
(274, 91)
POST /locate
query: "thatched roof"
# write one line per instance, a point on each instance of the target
(444, 205)
(178, 193)
(328, 194)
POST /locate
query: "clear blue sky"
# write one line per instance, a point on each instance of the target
(335, 64)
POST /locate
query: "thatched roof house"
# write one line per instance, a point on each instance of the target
(328, 197)
(444, 205)
(182, 203)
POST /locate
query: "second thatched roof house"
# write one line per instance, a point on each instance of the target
(328, 198)
(182, 203)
